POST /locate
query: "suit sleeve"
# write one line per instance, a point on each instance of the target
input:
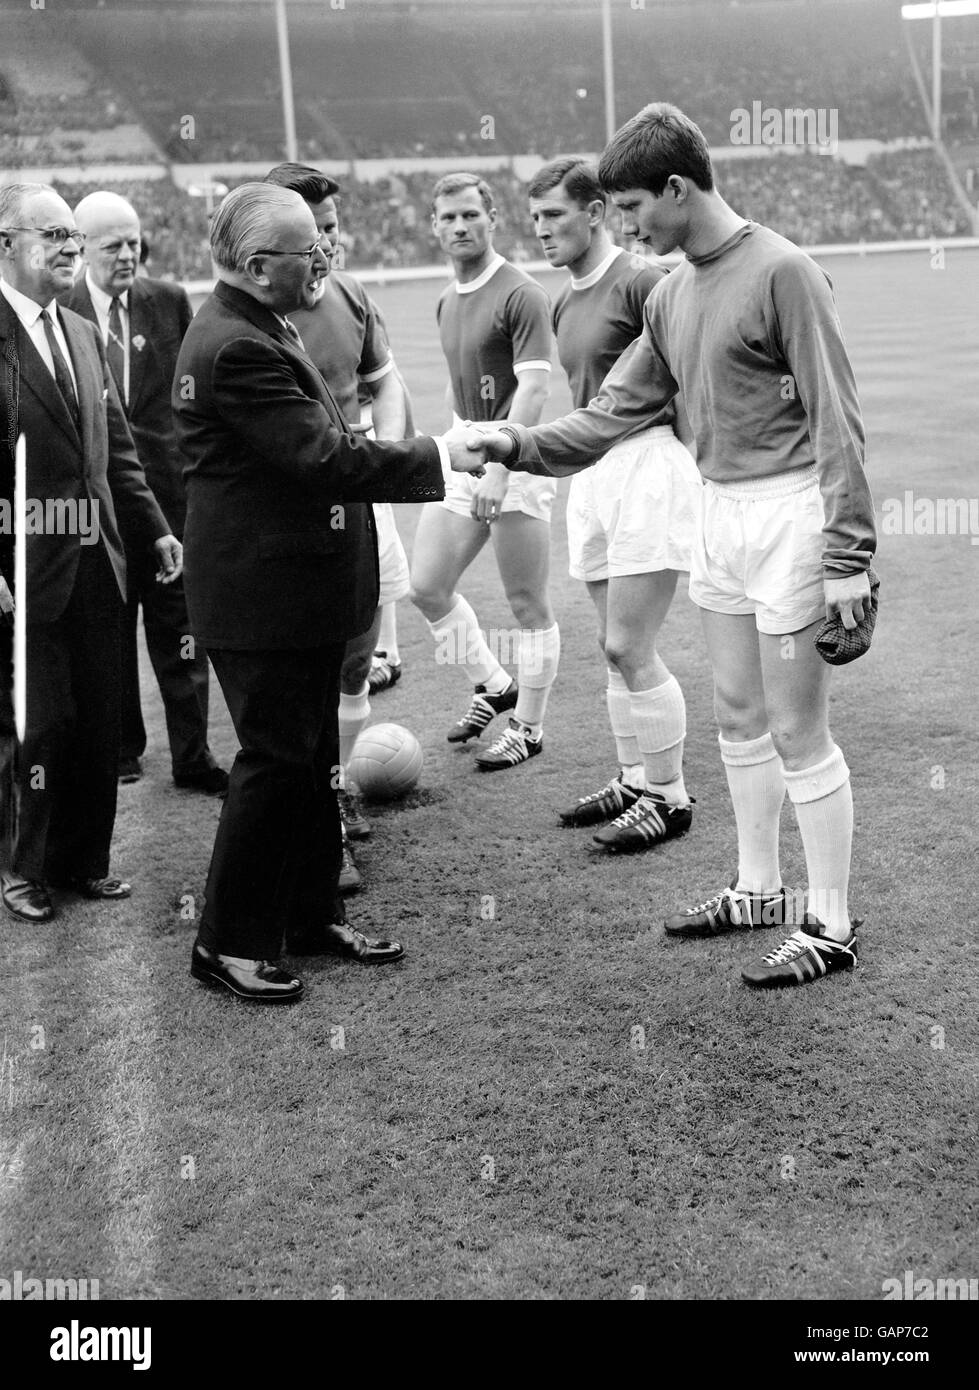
(257, 393)
(631, 396)
(140, 520)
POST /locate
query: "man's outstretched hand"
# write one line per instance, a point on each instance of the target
(466, 452)
(497, 444)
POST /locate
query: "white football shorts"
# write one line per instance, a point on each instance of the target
(525, 493)
(391, 558)
(759, 550)
(635, 510)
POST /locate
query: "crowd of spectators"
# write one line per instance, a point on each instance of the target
(385, 223)
(417, 83)
(424, 82)
(918, 196)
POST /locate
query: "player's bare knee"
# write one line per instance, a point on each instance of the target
(430, 602)
(529, 611)
(799, 742)
(617, 652)
(739, 720)
(635, 661)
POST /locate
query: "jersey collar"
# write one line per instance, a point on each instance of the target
(481, 280)
(586, 281)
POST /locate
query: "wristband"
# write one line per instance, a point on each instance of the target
(514, 439)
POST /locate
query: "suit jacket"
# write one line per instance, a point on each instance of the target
(96, 462)
(280, 544)
(159, 316)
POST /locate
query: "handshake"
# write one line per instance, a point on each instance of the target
(472, 446)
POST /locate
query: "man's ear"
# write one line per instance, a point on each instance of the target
(255, 273)
(596, 212)
(678, 187)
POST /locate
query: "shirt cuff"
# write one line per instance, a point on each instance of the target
(444, 459)
(514, 439)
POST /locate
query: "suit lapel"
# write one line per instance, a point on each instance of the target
(9, 378)
(35, 376)
(140, 326)
(265, 320)
(88, 378)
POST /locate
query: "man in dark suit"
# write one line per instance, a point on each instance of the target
(281, 571)
(142, 324)
(85, 491)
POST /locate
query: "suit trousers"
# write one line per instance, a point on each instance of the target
(277, 853)
(67, 766)
(179, 663)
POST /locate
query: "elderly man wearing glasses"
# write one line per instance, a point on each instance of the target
(82, 467)
(281, 571)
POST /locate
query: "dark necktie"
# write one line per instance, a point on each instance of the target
(62, 375)
(293, 332)
(115, 349)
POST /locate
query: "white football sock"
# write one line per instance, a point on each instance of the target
(460, 642)
(823, 804)
(353, 713)
(387, 637)
(659, 718)
(620, 721)
(754, 776)
(538, 653)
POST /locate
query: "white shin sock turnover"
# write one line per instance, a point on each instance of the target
(354, 710)
(659, 718)
(754, 777)
(620, 721)
(459, 641)
(538, 653)
(823, 803)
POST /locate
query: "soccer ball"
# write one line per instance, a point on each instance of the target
(386, 762)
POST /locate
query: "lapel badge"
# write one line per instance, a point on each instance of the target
(139, 342)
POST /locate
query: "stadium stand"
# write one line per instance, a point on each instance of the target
(811, 199)
(199, 84)
(55, 108)
(416, 81)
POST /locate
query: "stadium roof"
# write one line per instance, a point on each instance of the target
(66, 6)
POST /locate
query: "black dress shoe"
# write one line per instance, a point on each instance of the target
(130, 770)
(259, 981)
(108, 888)
(340, 939)
(24, 898)
(212, 780)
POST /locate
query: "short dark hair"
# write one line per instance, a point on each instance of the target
(311, 184)
(659, 141)
(580, 180)
(455, 183)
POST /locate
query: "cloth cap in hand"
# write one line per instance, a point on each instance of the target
(837, 645)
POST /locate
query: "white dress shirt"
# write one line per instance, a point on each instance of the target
(29, 312)
(102, 303)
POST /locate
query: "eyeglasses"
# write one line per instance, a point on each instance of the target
(57, 236)
(306, 255)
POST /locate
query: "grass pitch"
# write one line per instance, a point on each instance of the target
(547, 1098)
